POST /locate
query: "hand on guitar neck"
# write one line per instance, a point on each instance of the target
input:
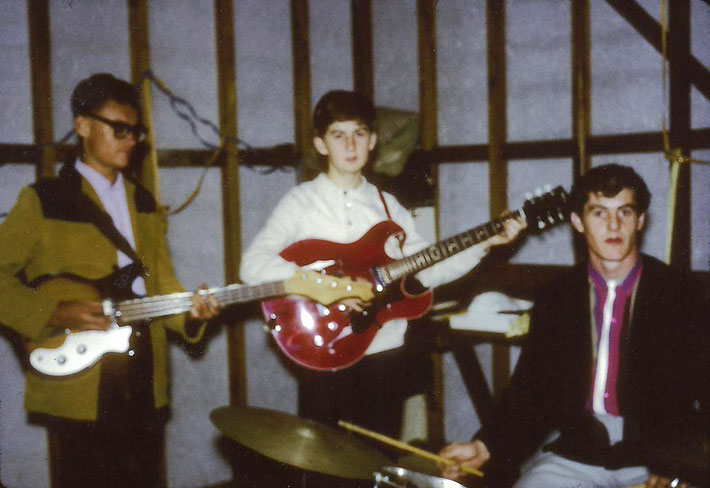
(512, 227)
(89, 315)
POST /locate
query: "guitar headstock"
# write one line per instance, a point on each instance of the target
(328, 289)
(547, 207)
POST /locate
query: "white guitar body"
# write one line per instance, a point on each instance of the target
(81, 350)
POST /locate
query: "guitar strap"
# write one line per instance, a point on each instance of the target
(101, 220)
(400, 236)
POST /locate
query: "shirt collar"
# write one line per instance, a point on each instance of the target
(96, 179)
(327, 185)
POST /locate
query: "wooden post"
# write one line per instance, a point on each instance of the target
(41, 76)
(497, 135)
(139, 47)
(227, 95)
(679, 55)
(363, 71)
(302, 81)
(581, 98)
(428, 135)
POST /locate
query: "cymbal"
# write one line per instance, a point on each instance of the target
(302, 443)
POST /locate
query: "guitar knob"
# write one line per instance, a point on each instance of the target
(81, 348)
(334, 284)
(61, 359)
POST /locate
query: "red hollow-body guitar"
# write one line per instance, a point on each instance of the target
(334, 337)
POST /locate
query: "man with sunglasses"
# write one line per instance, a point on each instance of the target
(76, 233)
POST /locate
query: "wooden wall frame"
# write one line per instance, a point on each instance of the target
(686, 71)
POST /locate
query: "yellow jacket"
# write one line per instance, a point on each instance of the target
(44, 236)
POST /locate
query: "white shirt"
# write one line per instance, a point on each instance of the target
(319, 209)
(113, 198)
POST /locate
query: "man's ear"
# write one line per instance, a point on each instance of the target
(81, 126)
(373, 141)
(576, 222)
(320, 146)
(641, 222)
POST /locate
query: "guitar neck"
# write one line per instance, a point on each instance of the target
(175, 303)
(436, 253)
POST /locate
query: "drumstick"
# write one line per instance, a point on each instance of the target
(406, 447)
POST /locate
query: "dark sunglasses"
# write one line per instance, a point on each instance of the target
(121, 130)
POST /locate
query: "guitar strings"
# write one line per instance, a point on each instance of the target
(161, 305)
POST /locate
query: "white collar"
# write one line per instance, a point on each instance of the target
(96, 179)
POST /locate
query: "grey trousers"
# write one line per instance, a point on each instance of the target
(548, 470)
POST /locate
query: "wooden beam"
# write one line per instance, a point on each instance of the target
(227, 103)
(426, 47)
(650, 30)
(41, 79)
(139, 48)
(300, 44)
(286, 155)
(678, 56)
(497, 136)
(363, 70)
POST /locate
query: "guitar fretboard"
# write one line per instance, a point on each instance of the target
(161, 305)
(435, 253)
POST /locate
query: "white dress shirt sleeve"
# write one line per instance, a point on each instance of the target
(261, 261)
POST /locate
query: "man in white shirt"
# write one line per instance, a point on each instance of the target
(340, 205)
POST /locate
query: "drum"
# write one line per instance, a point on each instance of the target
(391, 477)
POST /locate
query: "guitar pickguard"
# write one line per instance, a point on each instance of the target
(80, 350)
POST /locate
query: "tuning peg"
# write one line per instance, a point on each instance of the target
(540, 224)
(538, 192)
(528, 196)
(548, 188)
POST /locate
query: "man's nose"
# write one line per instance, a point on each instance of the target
(613, 221)
(350, 142)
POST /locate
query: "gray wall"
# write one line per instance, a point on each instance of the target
(89, 36)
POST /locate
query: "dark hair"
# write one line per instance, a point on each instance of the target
(609, 180)
(93, 92)
(342, 105)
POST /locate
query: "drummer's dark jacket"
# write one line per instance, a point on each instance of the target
(662, 384)
(48, 234)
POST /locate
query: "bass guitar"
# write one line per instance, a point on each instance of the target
(71, 352)
(334, 337)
